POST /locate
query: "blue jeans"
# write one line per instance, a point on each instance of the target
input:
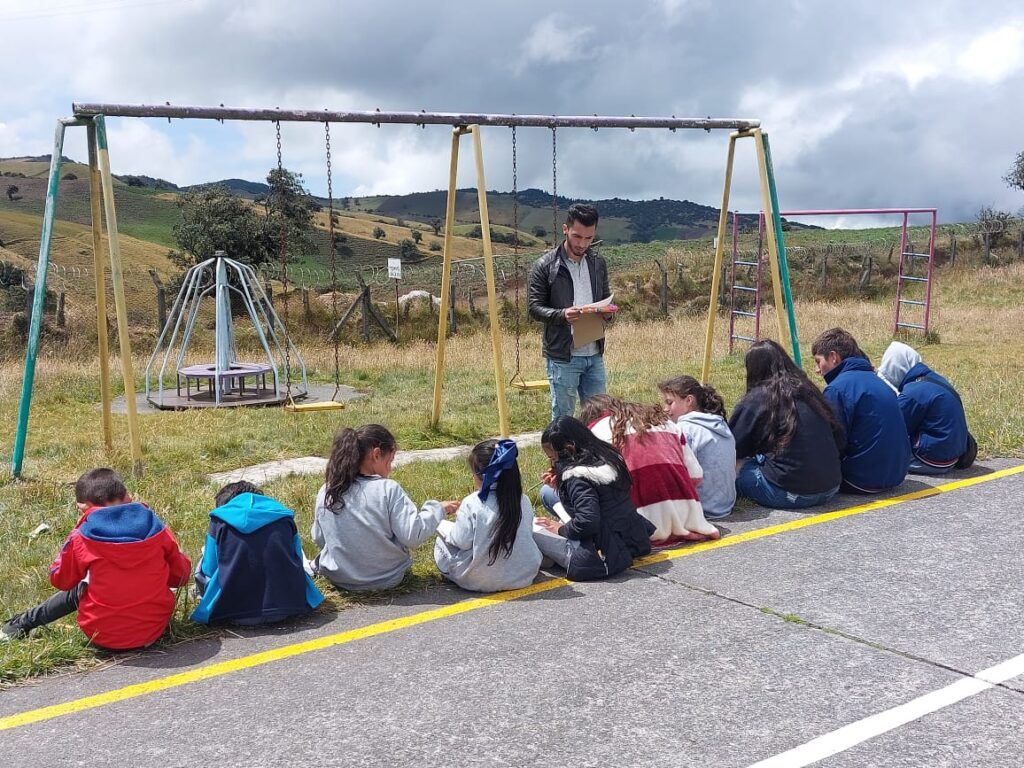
(548, 497)
(583, 376)
(751, 482)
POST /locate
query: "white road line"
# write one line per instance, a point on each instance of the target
(850, 735)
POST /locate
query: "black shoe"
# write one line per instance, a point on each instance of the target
(11, 631)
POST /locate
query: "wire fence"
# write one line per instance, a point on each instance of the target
(647, 280)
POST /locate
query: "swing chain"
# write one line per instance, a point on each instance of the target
(283, 257)
(334, 264)
(554, 185)
(515, 251)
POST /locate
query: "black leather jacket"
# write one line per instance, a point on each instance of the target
(550, 292)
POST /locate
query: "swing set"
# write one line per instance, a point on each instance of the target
(93, 116)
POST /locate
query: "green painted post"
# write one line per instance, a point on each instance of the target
(35, 327)
(780, 244)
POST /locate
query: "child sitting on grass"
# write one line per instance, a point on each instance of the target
(251, 570)
(700, 411)
(116, 568)
(490, 545)
(663, 467)
(604, 532)
(364, 523)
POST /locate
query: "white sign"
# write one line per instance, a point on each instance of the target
(395, 269)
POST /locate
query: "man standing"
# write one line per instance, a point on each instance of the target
(561, 281)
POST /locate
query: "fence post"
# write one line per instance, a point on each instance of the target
(1020, 243)
(451, 306)
(824, 271)
(988, 245)
(60, 310)
(664, 287)
(161, 300)
(865, 277)
(366, 313)
(268, 288)
(952, 249)
(306, 311)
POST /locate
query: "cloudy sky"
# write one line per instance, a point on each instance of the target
(910, 103)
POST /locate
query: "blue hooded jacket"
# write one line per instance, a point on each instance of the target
(934, 415)
(251, 571)
(877, 446)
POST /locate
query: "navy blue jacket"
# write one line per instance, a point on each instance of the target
(877, 446)
(251, 571)
(934, 416)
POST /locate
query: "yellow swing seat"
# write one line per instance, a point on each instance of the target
(528, 385)
(327, 405)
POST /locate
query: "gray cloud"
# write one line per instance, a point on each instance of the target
(872, 103)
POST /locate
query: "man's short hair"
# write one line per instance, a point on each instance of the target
(229, 491)
(582, 213)
(839, 341)
(100, 487)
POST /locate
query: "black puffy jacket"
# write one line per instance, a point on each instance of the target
(604, 520)
(550, 293)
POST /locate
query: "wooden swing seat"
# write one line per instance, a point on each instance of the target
(527, 385)
(328, 405)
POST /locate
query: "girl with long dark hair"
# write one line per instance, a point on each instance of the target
(786, 434)
(604, 532)
(489, 547)
(364, 523)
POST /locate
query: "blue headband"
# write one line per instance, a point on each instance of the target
(504, 456)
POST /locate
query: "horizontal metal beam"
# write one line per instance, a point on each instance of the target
(857, 211)
(410, 118)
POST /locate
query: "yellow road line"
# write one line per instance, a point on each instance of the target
(464, 606)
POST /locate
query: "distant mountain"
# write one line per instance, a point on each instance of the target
(240, 187)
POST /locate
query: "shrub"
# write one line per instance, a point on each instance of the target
(379, 233)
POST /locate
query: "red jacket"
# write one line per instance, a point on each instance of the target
(132, 560)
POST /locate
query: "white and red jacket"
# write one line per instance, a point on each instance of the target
(665, 475)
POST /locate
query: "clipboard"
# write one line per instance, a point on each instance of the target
(590, 325)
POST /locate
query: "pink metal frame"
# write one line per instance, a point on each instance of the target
(905, 213)
(732, 287)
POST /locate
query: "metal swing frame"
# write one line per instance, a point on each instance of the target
(92, 117)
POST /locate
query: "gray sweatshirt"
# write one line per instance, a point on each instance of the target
(469, 537)
(365, 542)
(711, 440)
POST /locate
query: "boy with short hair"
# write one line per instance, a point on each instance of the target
(932, 412)
(251, 571)
(116, 568)
(877, 447)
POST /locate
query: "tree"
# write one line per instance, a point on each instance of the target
(286, 206)
(416, 236)
(379, 233)
(435, 224)
(1014, 178)
(69, 177)
(12, 190)
(213, 219)
(540, 232)
(407, 249)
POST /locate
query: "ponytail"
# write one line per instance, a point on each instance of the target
(350, 447)
(509, 494)
(708, 400)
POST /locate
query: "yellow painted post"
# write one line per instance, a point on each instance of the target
(101, 289)
(120, 306)
(716, 276)
(446, 269)
(769, 235)
(492, 294)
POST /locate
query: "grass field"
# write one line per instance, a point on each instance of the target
(979, 315)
